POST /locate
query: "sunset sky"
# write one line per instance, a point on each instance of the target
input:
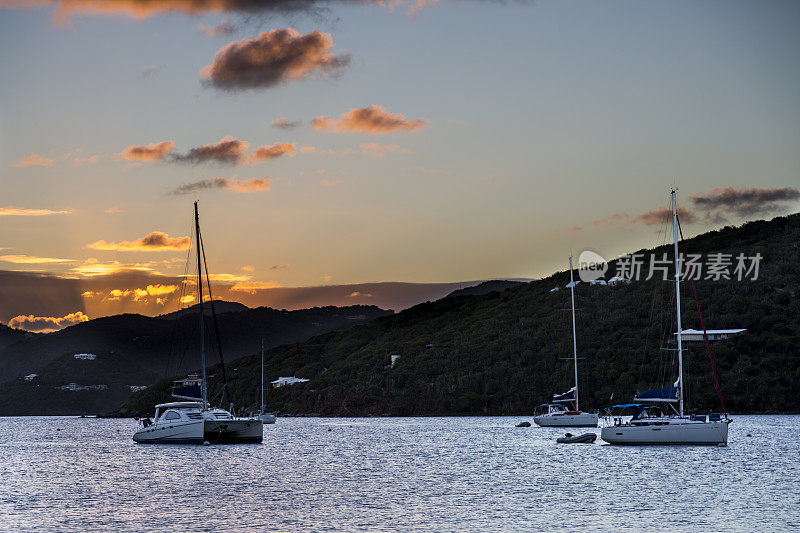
(338, 143)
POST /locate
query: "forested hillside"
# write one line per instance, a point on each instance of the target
(501, 353)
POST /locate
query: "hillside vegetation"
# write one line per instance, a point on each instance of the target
(501, 353)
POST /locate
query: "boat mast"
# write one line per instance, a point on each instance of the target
(200, 295)
(574, 338)
(262, 375)
(678, 302)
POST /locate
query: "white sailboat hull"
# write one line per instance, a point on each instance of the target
(567, 419)
(267, 418)
(241, 430)
(681, 431)
(191, 432)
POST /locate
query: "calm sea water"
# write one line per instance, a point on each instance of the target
(407, 474)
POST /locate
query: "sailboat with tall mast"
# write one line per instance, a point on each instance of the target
(195, 421)
(648, 425)
(557, 412)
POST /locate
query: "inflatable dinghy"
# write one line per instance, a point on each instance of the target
(569, 438)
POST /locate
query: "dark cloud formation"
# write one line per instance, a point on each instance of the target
(285, 123)
(233, 184)
(274, 57)
(372, 119)
(227, 151)
(744, 202)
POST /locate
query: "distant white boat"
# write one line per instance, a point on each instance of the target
(556, 413)
(194, 421)
(648, 425)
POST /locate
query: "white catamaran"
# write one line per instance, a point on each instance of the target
(648, 425)
(556, 413)
(194, 421)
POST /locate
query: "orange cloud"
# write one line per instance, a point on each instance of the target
(148, 152)
(92, 268)
(46, 323)
(249, 268)
(34, 160)
(267, 152)
(156, 241)
(356, 294)
(233, 184)
(368, 120)
(253, 286)
(113, 210)
(380, 150)
(139, 295)
(12, 211)
(32, 260)
(274, 57)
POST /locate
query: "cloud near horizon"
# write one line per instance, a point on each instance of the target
(274, 57)
(44, 324)
(33, 160)
(370, 120)
(155, 241)
(232, 183)
(12, 211)
(271, 151)
(32, 260)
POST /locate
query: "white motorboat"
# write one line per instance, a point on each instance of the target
(557, 414)
(195, 421)
(648, 425)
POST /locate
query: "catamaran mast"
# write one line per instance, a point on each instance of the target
(262, 375)
(574, 338)
(678, 303)
(202, 311)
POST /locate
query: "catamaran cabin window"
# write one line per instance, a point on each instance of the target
(172, 415)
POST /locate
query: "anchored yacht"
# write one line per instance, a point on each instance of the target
(195, 421)
(651, 426)
(556, 413)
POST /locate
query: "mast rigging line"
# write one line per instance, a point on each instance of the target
(202, 250)
(703, 325)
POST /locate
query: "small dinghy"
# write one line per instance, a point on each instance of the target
(569, 438)
(524, 425)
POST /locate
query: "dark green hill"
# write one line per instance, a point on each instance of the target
(10, 335)
(485, 288)
(500, 353)
(156, 346)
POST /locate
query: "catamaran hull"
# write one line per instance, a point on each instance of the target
(708, 433)
(234, 431)
(178, 433)
(580, 420)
